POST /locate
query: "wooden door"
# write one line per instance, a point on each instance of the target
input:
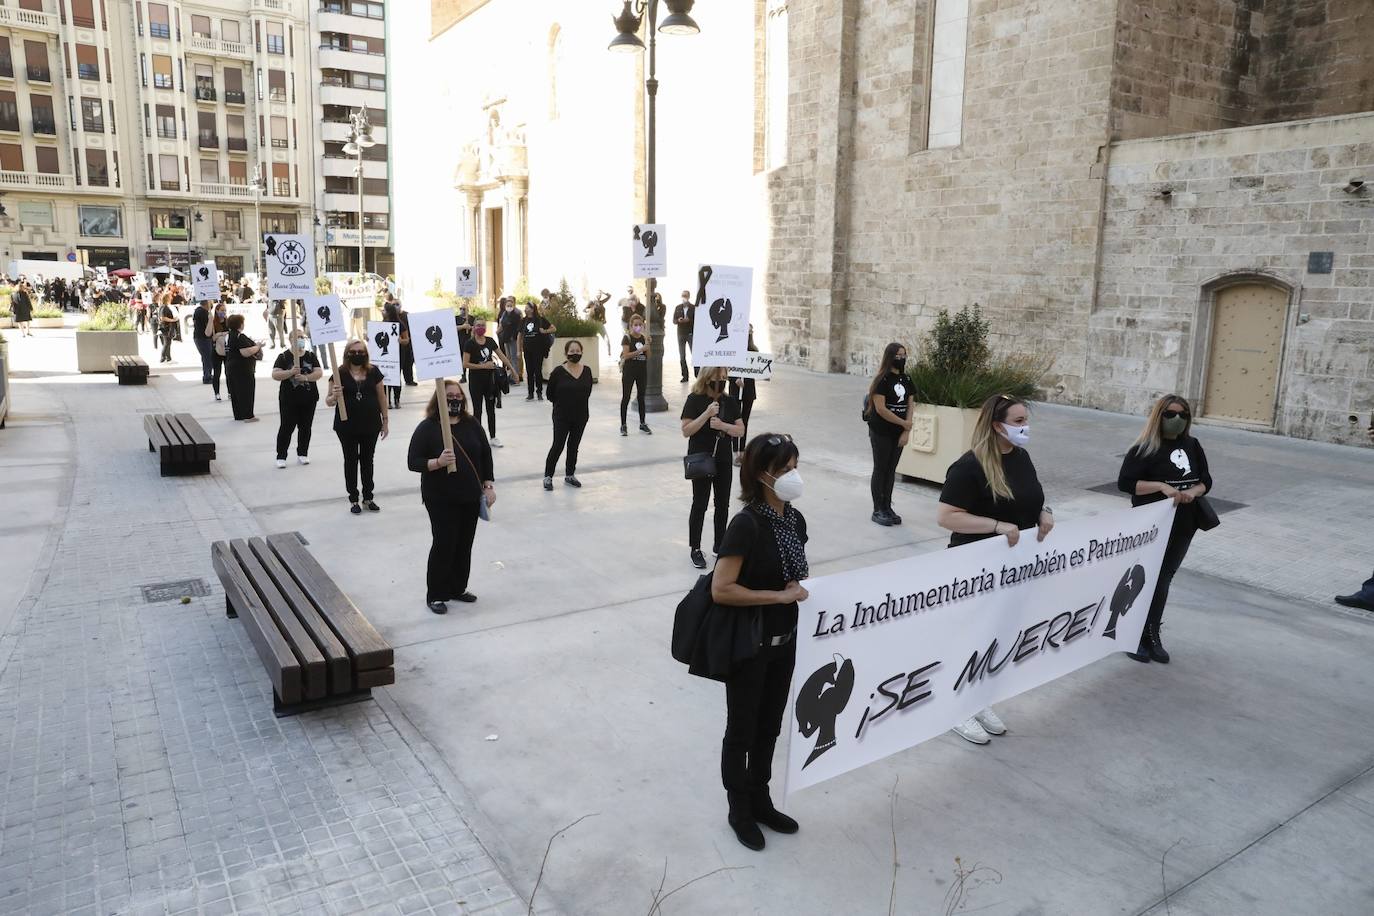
(1246, 352)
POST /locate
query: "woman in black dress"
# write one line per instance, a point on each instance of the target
(241, 355)
(709, 418)
(1166, 462)
(21, 304)
(360, 385)
(889, 427)
(453, 500)
(570, 388)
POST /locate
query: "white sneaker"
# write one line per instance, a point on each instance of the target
(970, 730)
(302, 459)
(991, 724)
(281, 462)
(496, 443)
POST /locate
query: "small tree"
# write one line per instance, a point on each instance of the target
(959, 342)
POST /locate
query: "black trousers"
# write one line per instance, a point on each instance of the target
(217, 369)
(746, 408)
(393, 395)
(684, 346)
(453, 527)
(1180, 539)
(242, 390)
(358, 451)
(634, 375)
(408, 363)
(567, 432)
(485, 396)
(168, 335)
(886, 451)
(297, 418)
(755, 700)
(702, 491)
(207, 358)
(534, 369)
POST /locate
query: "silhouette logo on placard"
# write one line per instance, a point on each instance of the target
(325, 313)
(204, 272)
(291, 255)
(722, 310)
(467, 274)
(820, 701)
(435, 335)
(649, 239)
(1127, 590)
(383, 340)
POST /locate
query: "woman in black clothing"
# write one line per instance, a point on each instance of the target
(482, 357)
(392, 312)
(240, 357)
(167, 324)
(889, 428)
(360, 385)
(762, 563)
(21, 303)
(745, 391)
(570, 388)
(992, 490)
(453, 500)
(634, 371)
(535, 336)
(709, 418)
(1166, 463)
(298, 369)
(219, 338)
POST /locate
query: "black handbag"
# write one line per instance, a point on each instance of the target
(691, 614)
(713, 640)
(1205, 514)
(699, 466)
(502, 380)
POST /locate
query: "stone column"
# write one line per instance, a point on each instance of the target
(516, 257)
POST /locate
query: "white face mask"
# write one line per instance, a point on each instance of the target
(788, 487)
(1016, 435)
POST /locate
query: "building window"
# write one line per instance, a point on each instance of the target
(238, 172)
(97, 168)
(169, 174)
(237, 141)
(276, 85)
(233, 86)
(46, 159)
(166, 122)
(167, 224)
(36, 61)
(227, 223)
(229, 30)
(279, 222)
(281, 179)
(375, 221)
(368, 81)
(83, 14)
(200, 26)
(101, 222)
(6, 60)
(162, 71)
(948, 50)
(11, 157)
(87, 62)
(367, 10)
(159, 22)
(43, 120)
(9, 111)
(206, 136)
(92, 116)
(209, 171)
(279, 139)
(276, 41)
(775, 85)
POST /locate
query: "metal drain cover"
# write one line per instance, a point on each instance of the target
(173, 591)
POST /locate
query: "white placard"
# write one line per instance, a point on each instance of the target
(205, 279)
(290, 263)
(384, 342)
(465, 280)
(356, 294)
(434, 341)
(754, 365)
(326, 318)
(649, 250)
(720, 335)
(893, 655)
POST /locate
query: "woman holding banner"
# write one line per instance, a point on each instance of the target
(452, 499)
(361, 386)
(482, 358)
(992, 490)
(888, 412)
(709, 417)
(762, 562)
(570, 388)
(1165, 462)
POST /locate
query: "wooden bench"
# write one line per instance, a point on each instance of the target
(130, 370)
(183, 446)
(318, 648)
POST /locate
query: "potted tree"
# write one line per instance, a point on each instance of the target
(45, 316)
(108, 332)
(955, 372)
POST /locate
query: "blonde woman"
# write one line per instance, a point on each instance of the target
(1166, 462)
(992, 490)
(709, 418)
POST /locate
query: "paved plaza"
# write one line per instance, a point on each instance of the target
(142, 769)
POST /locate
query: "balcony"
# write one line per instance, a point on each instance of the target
(159, 30)
(169, 185)
(335, 94)
(236, 144)
(332, 58)
(337, 132)
(348, 203)
(345, 24)
(88, 72)
(7, 67)
(10, 125)
(39, 74)
(233, 96)
(346, 167)
(276, 95)
(275, 5)
(205, 93)
(37, 180)
(208, 141)
(221, 191)
(93, 125)
(30, 19)
(167, 133)
(218, 47)
(45, 127)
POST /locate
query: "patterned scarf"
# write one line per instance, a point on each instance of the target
(790, 550)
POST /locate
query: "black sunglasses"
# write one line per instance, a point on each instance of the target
(778, 439)
(1175, 414)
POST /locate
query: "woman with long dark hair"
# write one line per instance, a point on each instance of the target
(481, 359)
(888, 412)
(536, 334)
(709, 418)
(453, 500)
(1166, 462)
(634, 371)
(360, 386)
(992, 490)
(762, 564)
(570, 388)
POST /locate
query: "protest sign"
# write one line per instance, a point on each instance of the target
(720, 335)
(465, 280)
(434, 340)
(892, 655)
(324, 315)
(754, 365)
(205, 279)
(290, 261)
(649, 250)
(384, 340)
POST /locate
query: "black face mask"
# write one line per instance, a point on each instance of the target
(574, 357)
(455, 407)
(717, 386)
(358, 359)
(899, 364)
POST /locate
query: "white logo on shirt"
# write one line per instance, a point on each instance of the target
(900, 391)
(530, 327)
(1180, 459)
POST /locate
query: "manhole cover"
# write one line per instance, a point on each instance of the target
(1221, 505)
(173, 591)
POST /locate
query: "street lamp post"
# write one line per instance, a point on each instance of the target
(257, 221)
(359, 139)
(677, 22)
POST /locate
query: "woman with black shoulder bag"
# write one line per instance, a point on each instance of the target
(709, 418)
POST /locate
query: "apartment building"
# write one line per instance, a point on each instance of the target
(136, 133)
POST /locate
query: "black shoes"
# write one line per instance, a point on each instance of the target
(466, 598)
(1355, 601)
(572, 481)
(770, 817)
(698, 560)
(1156, 647)
(548, 483)
(893, 516)
(531, 398)
(437, 607)
(623, 430)
(747, 832)
(356, 509)
(880, 517)
(370, 506)
(644, 428)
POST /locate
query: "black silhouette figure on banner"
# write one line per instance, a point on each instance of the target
(291, 255)
(435, 335)
(383, 340)
(722, 310)
(821, 700)
(467, 274)
(324, 312)
(1127, 590)
(271, 246)
(649, 239)
(204, 272)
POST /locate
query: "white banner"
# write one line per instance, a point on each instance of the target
(326, 319)
(290, 261)
(720, 336)
(384, 342)
(434, 341)
(465, 280)
(755, 365)
(649, 250)
(205, 279)
(892, 655)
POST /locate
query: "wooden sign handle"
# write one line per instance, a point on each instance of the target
(295, 356)
(338, 378)
(445, 427)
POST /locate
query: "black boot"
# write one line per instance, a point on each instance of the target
(1142, 654)
(761, 805)
(1157, 652)
(743, 823)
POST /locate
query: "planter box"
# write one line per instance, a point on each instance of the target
(46, 323)
(939, 435)
(6, 322)
(590, 357)
(94, 348)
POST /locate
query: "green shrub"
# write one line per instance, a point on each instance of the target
(112, 316)
(562, 313)
(5, 309)
(957, 368)
(958, 343)
(47, 312)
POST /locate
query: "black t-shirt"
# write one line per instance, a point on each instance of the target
(707, 439)
(895, 391)
(570, 395)
(688, 311)
(295, 391)
(464, 484)
(966, 487)
(481, 352)
(750, 535)
(1181, 463)
(200, 320)
(637, 347)
(463, 318)
(534, 330)
(237, 342)
(508, 322)
(364, 407)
